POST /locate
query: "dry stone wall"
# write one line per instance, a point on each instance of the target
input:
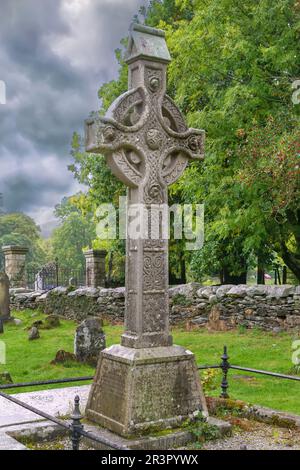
(224, 307)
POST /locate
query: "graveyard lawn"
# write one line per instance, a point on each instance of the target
(30, 360)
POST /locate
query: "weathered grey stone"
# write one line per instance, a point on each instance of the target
(95, 268)
(257, 290)
(117, 293)
(138, 389)
(222, 290)
(89, 341)
(188, 290)
(33, 333)
(212, 299)
(238, 291)
(60, 290)
(4, 297)
(15, 262)
(17, 321)
(147, 145)
(85, 291)
(206, 292)
(280, 292)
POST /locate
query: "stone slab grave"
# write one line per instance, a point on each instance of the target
(145, 382)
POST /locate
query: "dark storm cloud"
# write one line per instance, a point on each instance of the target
(54, 55)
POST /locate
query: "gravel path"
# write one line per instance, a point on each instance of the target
(258, 436)
(247, 435)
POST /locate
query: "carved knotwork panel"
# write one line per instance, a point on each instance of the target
(172, 115)
(154, 308)
(153, 79)
(128, 109)
(173, 166)
(154, 271)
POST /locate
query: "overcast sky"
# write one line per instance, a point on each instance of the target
(54, 55)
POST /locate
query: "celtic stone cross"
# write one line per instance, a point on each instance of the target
(147, 146)
(146, 382)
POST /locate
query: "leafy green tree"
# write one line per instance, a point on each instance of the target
(20, 229)
(74, 234)
(232, 70)
(233, 66)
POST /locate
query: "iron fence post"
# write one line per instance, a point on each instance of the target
(1, 326)
(225, 366)
(76, 424)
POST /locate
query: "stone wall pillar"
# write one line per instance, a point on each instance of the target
(95, 268)
(15, 264)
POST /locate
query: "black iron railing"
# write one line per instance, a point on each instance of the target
(225, 366)
(75, 427)
(54, 275)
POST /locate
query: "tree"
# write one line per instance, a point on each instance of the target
(75, 233)
(20, 229)
(232, 70)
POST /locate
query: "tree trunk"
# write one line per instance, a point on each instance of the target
(234, 278)
(260, 276)
(284, 275)
(182, 269)
(110, 268)
(291, 260)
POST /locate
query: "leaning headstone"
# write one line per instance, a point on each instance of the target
(146, 382)
(89, 341)
(4, 297)
(33, 333)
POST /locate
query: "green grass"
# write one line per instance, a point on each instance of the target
(30, 360)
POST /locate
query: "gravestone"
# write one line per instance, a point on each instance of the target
(146, 382)
(4, 297)
(89, 340)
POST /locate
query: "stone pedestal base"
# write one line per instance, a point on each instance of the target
(136, 390)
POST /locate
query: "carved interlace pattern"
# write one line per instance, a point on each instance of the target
(127, 102)
(154, 271)
(154, 307)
